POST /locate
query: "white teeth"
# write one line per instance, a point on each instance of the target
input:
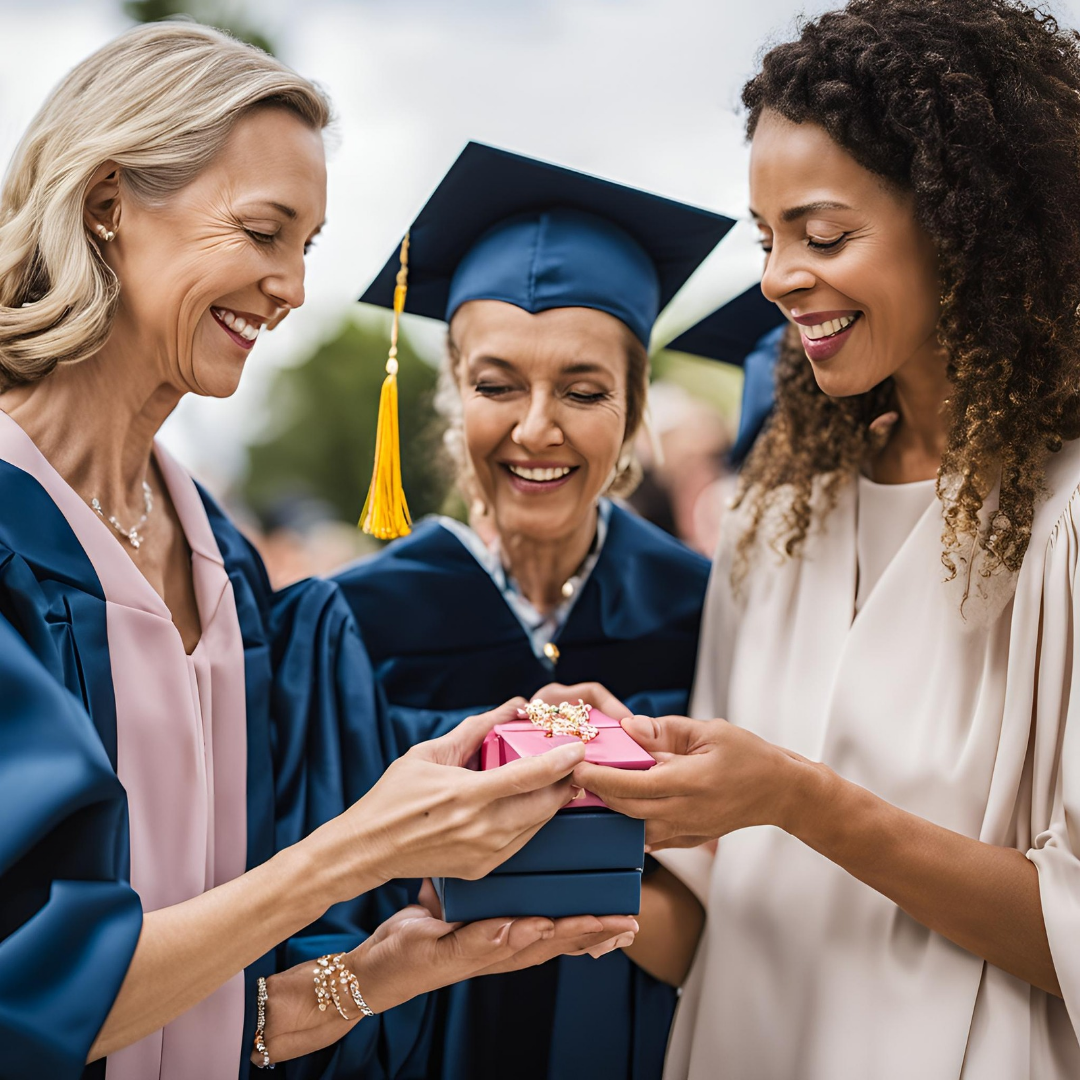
(248, 331)
(827, 329)
(539, 474)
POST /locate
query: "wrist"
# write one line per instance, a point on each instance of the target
(809, 792)
(341, 863)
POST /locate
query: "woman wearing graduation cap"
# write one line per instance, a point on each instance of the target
(190, 792)
(550, 281)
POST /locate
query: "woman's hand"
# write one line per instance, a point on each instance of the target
(710, 779)
(415, 952)
(430, 816)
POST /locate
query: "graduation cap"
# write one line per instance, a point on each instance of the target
(747, 332)
(501, 226)
(732, 331)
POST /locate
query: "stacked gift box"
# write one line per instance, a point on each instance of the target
(587, 860)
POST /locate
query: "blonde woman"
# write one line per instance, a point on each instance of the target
(182, 750)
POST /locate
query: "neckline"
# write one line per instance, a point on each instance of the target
(539, 630)
(908, 485)
(119, 577)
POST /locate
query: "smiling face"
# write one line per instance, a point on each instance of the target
(846, 260)
(201, 274)
(544, 407)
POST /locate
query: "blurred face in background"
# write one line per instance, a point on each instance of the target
(544, 403)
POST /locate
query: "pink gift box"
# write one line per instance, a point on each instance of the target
(521, 738)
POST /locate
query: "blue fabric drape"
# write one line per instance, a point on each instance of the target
(444, 644)
(69, 920)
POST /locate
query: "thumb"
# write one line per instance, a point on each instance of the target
(529, 774)
(460, 743)
(663, 734)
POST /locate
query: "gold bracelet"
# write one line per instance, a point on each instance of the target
(330, 973)
(260, 1025)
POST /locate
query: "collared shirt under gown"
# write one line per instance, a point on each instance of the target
(225, 756)
(967, 719)
(445, 643)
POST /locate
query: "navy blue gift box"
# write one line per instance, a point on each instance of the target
(582, 862)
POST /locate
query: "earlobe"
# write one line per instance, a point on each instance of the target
(101, 205)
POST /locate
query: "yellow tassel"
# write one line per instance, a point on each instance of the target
(386, 513)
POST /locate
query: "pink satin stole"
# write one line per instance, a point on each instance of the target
(181, 735)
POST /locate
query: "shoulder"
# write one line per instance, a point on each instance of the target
(32, 525)
(1062, 488)
(644, 582)
(419, 589)
(640, 542)
(429, 547)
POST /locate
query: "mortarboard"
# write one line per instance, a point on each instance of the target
(732, 331)
(747, 332)
(501, 226)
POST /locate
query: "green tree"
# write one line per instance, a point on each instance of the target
(231, 17)
(322, 421)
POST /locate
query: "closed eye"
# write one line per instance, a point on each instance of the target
(491, 389)
(826, 245)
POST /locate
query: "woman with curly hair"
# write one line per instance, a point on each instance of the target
(892, 625)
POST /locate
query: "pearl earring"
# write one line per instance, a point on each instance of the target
(105, 234)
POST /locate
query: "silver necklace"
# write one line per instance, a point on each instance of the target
(130, 535)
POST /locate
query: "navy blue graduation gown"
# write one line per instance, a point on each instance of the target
(69, 921)
(445, 644)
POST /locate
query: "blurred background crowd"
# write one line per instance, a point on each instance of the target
(638, 91)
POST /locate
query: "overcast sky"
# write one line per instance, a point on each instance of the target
(640, 91)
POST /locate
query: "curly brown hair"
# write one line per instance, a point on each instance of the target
(973, 106)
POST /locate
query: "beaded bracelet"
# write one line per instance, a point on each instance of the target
(330, 973)
(260, 1024)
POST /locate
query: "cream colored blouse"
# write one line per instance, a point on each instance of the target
(858, 655)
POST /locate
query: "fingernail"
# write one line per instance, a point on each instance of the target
(579, 793)
(636, 927)
(500, 937)
(622, 942)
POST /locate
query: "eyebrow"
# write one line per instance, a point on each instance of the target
(582, 367)
(793, 213)
(290, 213)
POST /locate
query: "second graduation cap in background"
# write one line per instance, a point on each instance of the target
(746, 332)
(501, 226)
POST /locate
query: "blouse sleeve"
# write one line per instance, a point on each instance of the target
(69, 921)
(1055, 828)
(332, 741)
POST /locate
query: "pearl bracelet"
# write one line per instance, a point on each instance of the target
(330, 974)
(260, 1024)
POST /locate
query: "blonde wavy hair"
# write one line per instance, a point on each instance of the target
(160, 101)
(448, 406)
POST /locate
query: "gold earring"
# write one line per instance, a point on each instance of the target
(105, 234)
